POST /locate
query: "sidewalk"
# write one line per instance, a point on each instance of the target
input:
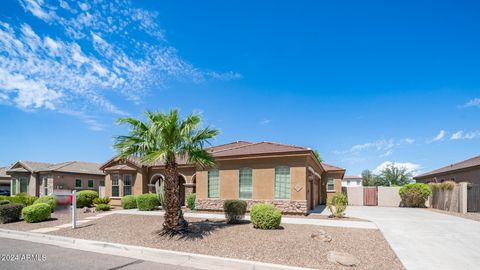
(285, 220)
(143, 253)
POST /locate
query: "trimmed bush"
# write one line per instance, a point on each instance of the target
(191, 201)
(265, 216)
(50, 200)
(24, 199)
(10, 212)
(129, 202)
(147, 202)
(234, 210)
(337, 205)
(85, 198)
(415, 195)
(102, 207)
(3, 202)
(36, 213)
(105, 200)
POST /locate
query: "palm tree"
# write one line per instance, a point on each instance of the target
(165, 137)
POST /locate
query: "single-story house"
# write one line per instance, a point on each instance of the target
(290, 177)
(352, 181)
(4, 179)
(463, 171)
(40, 178)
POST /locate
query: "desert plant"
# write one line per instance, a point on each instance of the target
(51, 200)
(415, 195)
(265, 216)
(105, 200)
(166, 137)
(147, 202)
(36, 212)
(191, 201)
(447, 185)
(337, 205)
(129, 202)
(102, 207)
(2, 202)
(10, 212)
(234, 210)
(85, 198)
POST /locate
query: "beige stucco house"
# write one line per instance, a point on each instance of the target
(4, 179)
(39, 178)
(290, 177)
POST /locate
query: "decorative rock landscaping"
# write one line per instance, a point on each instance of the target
(286, 206)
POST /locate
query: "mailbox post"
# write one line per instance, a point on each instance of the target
(73, 202)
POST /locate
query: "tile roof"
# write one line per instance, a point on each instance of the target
(120, 167)
(246, 148)
(471, 162)
(329, 167)
(228, 145)
(3, 172)
(68, 167)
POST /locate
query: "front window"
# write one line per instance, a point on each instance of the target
(45, 185)
(78, 183)
(245, 182)
(23, 185)
(90, 184)
(115, 186)
(282, 182)
(127, 185)
(213, 183)
(102, 183)
(330, 184)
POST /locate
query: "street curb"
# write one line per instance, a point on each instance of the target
(144, 253)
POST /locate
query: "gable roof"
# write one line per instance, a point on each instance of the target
(471, 162)
(67, 167)
(329, 167)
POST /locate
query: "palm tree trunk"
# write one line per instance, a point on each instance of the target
(174, 220)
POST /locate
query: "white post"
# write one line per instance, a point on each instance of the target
(74, 209)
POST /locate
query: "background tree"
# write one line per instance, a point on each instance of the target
(165, 137)
(369, 178)
(393, 175)
(317, 155)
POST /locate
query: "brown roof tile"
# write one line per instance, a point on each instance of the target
(329, 167)
(471, 162)
(258, 148)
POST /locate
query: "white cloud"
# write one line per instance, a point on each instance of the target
(461, 135)
(411, 167)
(440, 136)
(101, 49)
(409, 141)
(265, 121)
(473, 103)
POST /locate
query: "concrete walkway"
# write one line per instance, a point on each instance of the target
(423, 239)
(285, 220)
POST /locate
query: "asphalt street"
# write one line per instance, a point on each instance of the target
(16, 254)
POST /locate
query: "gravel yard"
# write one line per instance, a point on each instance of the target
(291, 245)
(472, 216)
(59, 217)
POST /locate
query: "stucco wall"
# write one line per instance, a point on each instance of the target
(454, 200)
(389, 196)
(263, 177)
(337, 180)
(354, 195)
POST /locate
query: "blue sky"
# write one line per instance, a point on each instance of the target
(364, 83)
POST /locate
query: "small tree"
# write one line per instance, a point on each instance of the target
(393, 175)
(317, 155)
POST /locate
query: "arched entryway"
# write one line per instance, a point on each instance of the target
(157, 184)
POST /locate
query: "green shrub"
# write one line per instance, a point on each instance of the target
(414, 195)
(191, 201)
(85, 198)
(337, 205)
(234, 210)
(129, 202)
(24, 199)
(36, 213)
(102, 207)
(2, 202)
(265, 216)
(147, 202)
(50, 200)
(105, 200)
(10, 212)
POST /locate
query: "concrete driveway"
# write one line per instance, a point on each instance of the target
(423, 239)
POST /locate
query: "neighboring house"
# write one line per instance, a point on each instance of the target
(463, 171)
(352, 181)
(40, 179)
(290, 177)
(4, 179)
